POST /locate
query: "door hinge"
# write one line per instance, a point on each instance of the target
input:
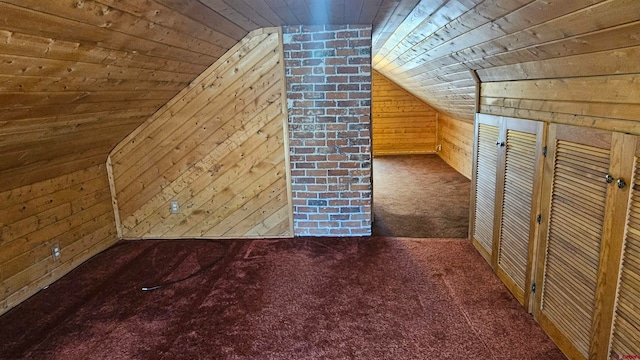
(539, 219)
(533, 287)
(544, 151)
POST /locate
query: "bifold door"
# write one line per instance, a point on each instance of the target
(625, 338)
(585, 192)
(521, 179)
(556, 212)
(508, 166)
(487, 134)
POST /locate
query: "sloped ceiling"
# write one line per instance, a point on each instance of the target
(77, 76)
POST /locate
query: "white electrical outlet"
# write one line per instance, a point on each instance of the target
(55, 252)
(175, 207)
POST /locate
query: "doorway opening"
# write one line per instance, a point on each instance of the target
(419, 196)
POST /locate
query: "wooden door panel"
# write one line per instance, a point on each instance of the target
(576, 188)
(519, 194)
(485, 186)
(625, 339)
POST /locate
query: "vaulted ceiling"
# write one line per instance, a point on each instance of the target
(77, 76)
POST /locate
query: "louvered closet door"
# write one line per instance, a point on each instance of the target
(487, 134)
(574, 213)
(520, 182)
(625, 339)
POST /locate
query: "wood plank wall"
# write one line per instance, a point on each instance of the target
(73, 211)
(218, 148)
(77, 77)
(610, 102)
(431, 51)
(401, 123)
(456, 138)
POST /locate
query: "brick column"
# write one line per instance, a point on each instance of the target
(328, 70)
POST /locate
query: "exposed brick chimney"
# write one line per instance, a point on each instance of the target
(328, 71)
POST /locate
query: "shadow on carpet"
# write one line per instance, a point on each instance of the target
(303, 298)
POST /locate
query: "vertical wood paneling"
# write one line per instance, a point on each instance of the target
(73, 211)
(402, 123)
(456, 138)
(217, 149)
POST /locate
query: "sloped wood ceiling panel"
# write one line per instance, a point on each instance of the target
(433, 50)
(217, 149)
(77, 76)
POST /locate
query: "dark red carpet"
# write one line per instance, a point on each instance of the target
(419, 196)
(307, 298)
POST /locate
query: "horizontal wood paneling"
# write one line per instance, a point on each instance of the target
(73, 211)
(401, 123)
(431, 51)
(105, 58)
(456, 138)
(605, 102)
(217, 148)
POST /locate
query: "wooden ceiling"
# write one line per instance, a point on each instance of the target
(77, 76)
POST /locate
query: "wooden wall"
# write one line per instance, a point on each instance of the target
(610, 102)
(79, 76)
(401, 123)
(73, 211)
(431, 51)
(456, 138)
(218, 148)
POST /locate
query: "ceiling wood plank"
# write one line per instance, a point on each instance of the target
(105, 17)
(40, 24)
(390, 15)
(157, 13)
(280, 7)
(205, 15)
(15, 43)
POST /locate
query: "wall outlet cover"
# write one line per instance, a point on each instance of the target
(55, 251)
(175, 207)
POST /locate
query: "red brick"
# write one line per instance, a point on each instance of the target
(324, 36)
(337, 95)
(301, 37)
(348, 70)
(306, 195)
(301, 71)
(313, 45)
(347, 34)
(337, 44)
(329, 128)
(336, 61)
(348, 103)
(346, 52)
(359, 43)
(337, 79)
(300, 54)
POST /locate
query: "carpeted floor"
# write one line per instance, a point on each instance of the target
(419, 196)
(303, 298)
